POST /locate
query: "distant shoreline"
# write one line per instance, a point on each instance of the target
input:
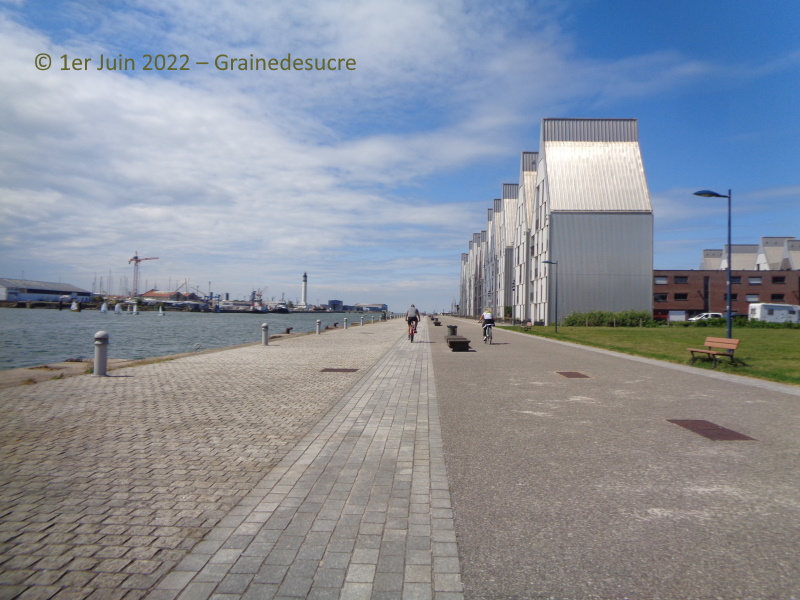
(94, 306)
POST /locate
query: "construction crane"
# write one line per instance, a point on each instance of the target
(136, 260)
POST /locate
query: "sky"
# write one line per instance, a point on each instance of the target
(370, 179)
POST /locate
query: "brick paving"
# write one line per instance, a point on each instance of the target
(250, 473)
(242, 473)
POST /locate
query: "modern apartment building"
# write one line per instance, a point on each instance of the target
(770, 254)
(582, 202)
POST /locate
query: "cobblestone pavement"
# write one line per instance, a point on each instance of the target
(106, 484)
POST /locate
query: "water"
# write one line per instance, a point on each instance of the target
(33, 337)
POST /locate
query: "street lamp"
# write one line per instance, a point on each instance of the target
(513, 302)
(555, 276)
(710, 194)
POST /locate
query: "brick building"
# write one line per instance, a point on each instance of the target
(695, 292)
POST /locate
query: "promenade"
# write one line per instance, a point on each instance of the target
(353, 464)
(311, 467)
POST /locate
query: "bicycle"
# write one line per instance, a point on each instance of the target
(487, 333)
(411, 332)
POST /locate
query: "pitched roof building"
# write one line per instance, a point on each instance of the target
(27, 290)
(770, 254)
(582, 202)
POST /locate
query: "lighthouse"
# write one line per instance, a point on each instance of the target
(304, 294)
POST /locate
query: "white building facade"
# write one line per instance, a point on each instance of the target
(582, 202)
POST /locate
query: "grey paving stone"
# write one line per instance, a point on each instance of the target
(234, 584)
(260, 591)
(323, 594)
(273, 574)
(295, 586)
(307, 516)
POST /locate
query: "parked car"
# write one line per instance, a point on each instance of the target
(707, 316)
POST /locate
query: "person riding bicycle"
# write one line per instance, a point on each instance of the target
(412, 316)
(487, 318)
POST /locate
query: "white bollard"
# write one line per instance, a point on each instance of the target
(373, 319)
(100, 354)
(345, 322)
(362, 321)
(318, 324)
(265, 334)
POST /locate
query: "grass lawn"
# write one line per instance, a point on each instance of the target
(772, 354)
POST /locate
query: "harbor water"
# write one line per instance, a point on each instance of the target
(33, 337)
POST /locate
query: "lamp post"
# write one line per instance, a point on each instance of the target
(555, 277)
(513, 302)
(710, 194)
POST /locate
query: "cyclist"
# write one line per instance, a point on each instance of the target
(412, 317)
(487, 318)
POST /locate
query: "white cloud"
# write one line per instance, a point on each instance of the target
(254, 177)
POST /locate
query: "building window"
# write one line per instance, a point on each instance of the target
(660, 280)
(779, 280)
(659, 297)
(751, 297)
(777, 298)
(736, 279)
(754, 280)
(734, 297)
(681, 297)
(681, 279)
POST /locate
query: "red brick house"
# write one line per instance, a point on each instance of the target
(695, 292)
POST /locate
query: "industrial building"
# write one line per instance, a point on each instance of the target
(574, 235)
(25, 290)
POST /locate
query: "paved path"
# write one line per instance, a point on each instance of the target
(282, 480)
(251, 473)
(581, 488)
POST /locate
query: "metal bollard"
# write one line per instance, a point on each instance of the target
(373, 319)
(265, 334)
(345, 322)
(362, 321)
(100, 354)
(318, 324)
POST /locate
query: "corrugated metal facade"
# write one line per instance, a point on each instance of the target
(590, 130)
(596, 176)
(582, 201)
(522, 246)
(605, 261)
(505, 247)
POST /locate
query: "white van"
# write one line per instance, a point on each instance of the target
(707, 316)
(774, 313)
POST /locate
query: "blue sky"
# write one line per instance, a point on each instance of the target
(371, 180)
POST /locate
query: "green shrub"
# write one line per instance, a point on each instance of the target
(600, 318)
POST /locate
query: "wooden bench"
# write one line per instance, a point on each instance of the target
(457, 343)
(724, 347)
